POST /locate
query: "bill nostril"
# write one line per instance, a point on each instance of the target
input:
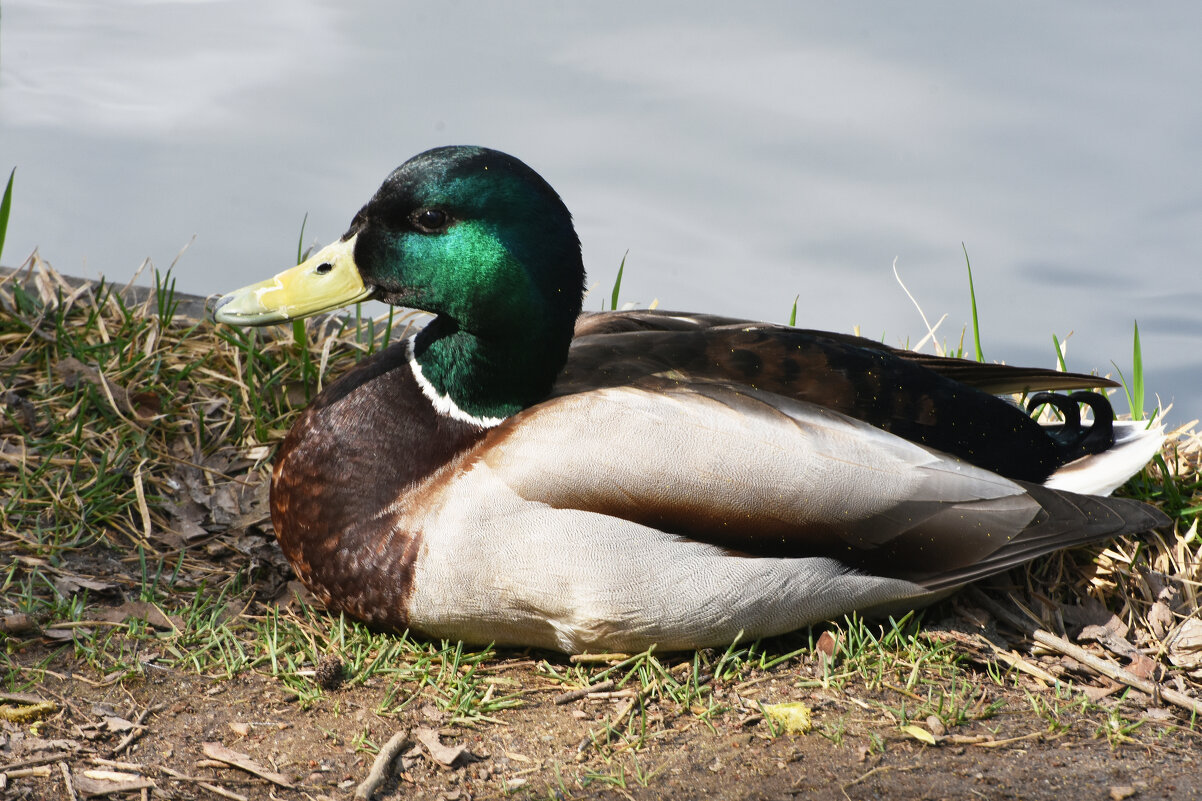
(323, 268)
(221, 303)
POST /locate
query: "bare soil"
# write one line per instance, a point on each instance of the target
(544, 749)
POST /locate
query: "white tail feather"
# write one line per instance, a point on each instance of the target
(1135, 443)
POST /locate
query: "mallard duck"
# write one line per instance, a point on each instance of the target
(521, 473)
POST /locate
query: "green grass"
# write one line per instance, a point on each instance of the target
(972, 298)
(617, 289)
(6, 204)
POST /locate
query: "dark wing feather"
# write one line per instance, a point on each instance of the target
(910, 396)
(1065, 520)
(997, 379)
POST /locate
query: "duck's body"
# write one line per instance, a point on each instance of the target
(672, 479)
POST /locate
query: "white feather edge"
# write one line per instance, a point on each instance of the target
(443, 404)
(1135, 443)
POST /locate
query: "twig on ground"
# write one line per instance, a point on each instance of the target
(136, 732)
(241, 761)
(590, 659)
(70, 785)
(576, 695)
(1102, 666)
(28, 763)
(379, 768)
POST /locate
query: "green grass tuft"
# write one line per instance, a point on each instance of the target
(613, 297)
(6, 204)
(1134, 389)
(972, 295)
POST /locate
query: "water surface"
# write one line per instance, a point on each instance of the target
(742, 158)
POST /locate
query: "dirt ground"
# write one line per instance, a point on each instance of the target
(543, 749)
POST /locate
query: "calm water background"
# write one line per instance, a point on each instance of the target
(742, 157)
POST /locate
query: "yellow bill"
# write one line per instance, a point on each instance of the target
(327, 280)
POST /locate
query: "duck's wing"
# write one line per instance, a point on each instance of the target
(855, 377)
(765, 341)
(761, 475)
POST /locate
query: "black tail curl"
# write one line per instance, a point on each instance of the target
(1073, 439)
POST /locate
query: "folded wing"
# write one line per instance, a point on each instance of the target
(761, 475)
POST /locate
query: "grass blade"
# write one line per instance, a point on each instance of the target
(1137, 377)
(1134, 389)
(298, 326)
(972, 294)
(300, 240)
(613, 299)
(1059, 354)
(5, 205)
(793, 314)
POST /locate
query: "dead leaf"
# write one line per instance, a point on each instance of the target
(19, 623)
(244, 762)
(139, 610)
(66, 635)
(827, 645)
(71, 371)
(31, 745)
(190, 530)
(20, 407)
(115, 724)
(145, 405)
(22, 698)
(919, 733)
(224, 506)
(90, 786)
(1090, 613)
(69, 584)
(442, 754)
(1142, 665)
(1185, 647)
(1098, 693)
(1160, 619)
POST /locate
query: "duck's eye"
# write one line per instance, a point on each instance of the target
(430, 220)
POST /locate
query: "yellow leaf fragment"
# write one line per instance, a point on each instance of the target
(793, 718)
(919, 733)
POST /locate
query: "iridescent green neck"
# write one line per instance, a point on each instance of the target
(490, 378)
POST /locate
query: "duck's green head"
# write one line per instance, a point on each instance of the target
(470, 234)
